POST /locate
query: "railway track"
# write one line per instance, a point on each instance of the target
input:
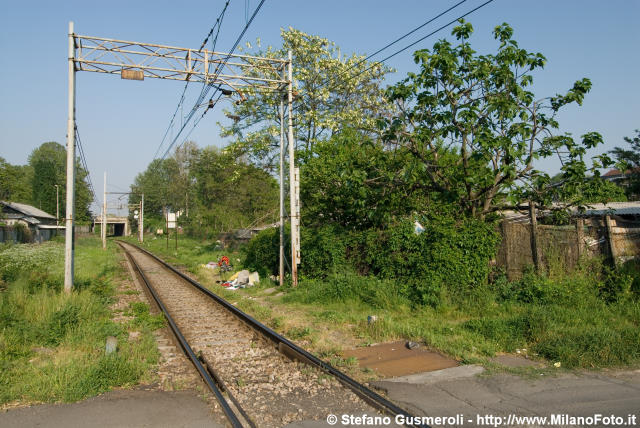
(260, 378)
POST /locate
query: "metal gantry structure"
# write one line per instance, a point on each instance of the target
(241, 74)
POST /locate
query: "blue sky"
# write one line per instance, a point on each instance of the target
(122, 122)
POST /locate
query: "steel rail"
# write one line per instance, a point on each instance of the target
(290, 349)
(211, 383)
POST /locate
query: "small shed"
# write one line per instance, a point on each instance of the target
(41, 225)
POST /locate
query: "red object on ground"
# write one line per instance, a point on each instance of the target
(223, 260)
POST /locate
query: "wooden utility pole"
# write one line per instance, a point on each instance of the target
(580, 235)
(534, 236)
(612, 247)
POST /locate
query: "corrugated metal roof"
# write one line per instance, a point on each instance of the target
(614, 208)
(28, 210)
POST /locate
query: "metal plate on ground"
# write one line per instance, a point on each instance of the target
(395, 359)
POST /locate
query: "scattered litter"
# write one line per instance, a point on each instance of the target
(417, 227)
(241, 279)
(254, 277)
(371, 319)
(558, 364)
(211, 265)
(412, 345)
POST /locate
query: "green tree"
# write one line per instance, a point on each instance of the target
(629, 161)
(475, 131)
(353, 182)
(15, 182)
(155, 183)
(331, 91)
(230, 193)
(49, 168)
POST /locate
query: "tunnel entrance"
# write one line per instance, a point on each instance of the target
(118, 229)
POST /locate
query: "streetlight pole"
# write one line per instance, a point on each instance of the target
(57, 207)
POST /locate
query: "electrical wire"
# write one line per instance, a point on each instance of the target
(377, 63)
(388, 45)
(207, 87)
(83, 161)
(218, 25)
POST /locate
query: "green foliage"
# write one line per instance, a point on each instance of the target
(261, 253)
(52, 343)
(61, 321)
(231, 194)
(353, 182)
(449, 255)
(473, 128)
(145, 319)
(325, 100)
(628, 159)
(15, 182)
(218, 191)
(617, 284)
(22, 259)
(350, 287)
(324, 250)
(48, 163)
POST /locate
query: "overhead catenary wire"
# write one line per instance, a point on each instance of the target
(207, 87)
(218, 25)
(83, 161)
(437, 30)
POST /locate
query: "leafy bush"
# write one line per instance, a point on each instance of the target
(263, 250)
(448, 255)
(617, 284)
(324, 251)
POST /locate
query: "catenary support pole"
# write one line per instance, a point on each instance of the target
(281, 258)
(142, 219)
(71, 157)
(292, 193)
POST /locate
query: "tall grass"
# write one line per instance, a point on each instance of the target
(52, 343)
(559, 317)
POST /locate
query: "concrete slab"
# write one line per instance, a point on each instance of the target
(117, 409)
(577, 394)
(436, 375)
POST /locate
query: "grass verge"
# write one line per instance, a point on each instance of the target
(581, 320)
(52, 344)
